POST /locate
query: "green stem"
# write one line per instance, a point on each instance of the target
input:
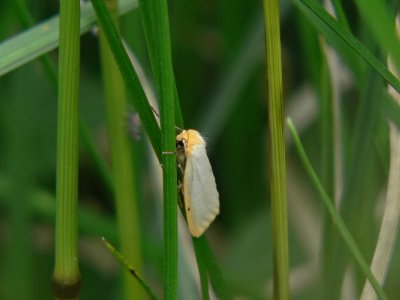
(129, 75)
(277, 151)
(167, 97)
(122, 165)
(66, 270)
(27, 20)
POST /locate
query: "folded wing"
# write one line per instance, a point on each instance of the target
(200, 192)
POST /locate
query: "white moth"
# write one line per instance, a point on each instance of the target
(199, 188)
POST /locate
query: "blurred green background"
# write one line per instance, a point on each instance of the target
(218, 57)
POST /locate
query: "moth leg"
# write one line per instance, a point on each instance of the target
(180, 196)
(181, 170)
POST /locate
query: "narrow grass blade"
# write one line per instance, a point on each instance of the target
(44, 37)
(123, 261)
(380, 20)
(150, 25)
(337, 35)
(202, 246)
(338, 221)
(203, 275)
(129, 75)
(340, 14)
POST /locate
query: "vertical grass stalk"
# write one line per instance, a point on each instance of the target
(66, 278)
(122, 165)
(166, 90)
(277, 151)
(27, 20)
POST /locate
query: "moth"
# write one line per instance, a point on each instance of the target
(200, 193)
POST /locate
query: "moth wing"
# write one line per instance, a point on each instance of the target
(200, 192)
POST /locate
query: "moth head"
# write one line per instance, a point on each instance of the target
(181, 142)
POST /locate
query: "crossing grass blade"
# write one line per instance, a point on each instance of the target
(44, 37)
(337, 220)
(340, 38)
(123, 261)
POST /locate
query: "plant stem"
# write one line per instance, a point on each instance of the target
(277, 151)
(129, 75)
(167, 97)
(66, 271)
(122, 165)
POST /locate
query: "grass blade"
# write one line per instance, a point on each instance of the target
(380, 21)
(338, 221)
(44, 37)
(124, 262)
(203, 275)
(129, 75)
(202, 246)
(51, 72)
(334, 31)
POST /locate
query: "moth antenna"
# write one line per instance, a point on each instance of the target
(158, 115)
(155, 112)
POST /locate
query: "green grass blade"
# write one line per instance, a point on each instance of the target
(66, 277)
(202, 246)
(27, 20)
(138, 97)
(336, 34)
(124, 262)
(340, 14)
(166, 90)
(277, 151)
(380, 20)
(44, 37)
(202, 274)
(338, 221)
(150, 20)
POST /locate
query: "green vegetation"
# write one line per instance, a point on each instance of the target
(83, 155)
